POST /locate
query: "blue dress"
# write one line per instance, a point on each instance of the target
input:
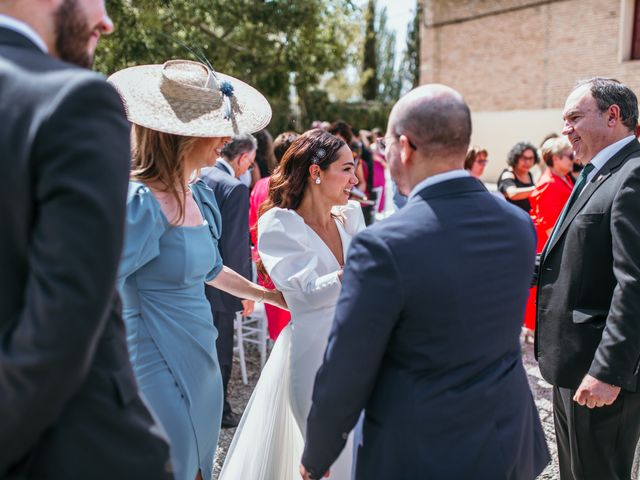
(170, 332)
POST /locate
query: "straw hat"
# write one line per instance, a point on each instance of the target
(186, 98)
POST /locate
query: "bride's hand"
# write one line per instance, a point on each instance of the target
(275, 297)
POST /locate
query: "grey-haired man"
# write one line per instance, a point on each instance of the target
(232, 196)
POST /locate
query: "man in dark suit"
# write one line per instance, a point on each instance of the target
(426, 333)
(69, 406)
(232, 196)
(588, 326)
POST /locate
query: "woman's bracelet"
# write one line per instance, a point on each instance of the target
(261, 299)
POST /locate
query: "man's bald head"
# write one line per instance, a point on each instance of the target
(435, 118)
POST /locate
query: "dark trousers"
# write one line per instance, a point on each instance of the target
(223, 322)
(596, 443)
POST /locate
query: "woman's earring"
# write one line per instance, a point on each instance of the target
(317, 180)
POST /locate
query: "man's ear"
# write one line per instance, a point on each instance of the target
(613, 114)
(406, 151)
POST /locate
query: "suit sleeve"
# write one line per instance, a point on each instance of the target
(234, 242)
(80, 165)
(368, 310)
(618, 354)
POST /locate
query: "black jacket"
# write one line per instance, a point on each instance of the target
(589, 282)
(69, 406)
(233, 201)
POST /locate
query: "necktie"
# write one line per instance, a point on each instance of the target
(580, 184)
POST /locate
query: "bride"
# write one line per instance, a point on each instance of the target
(303, 236)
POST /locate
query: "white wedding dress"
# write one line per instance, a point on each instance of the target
(269, 441)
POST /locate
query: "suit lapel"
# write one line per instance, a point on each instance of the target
(599, 179)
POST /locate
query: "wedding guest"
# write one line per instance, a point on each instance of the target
(183, 114)
(232, 197)
(444, 392)
(476, 161)
(516, 181)
(588, 333)
(277, 318)
(69, 405)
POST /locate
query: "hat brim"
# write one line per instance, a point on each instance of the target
(146, 106)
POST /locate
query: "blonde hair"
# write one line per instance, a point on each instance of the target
(553, 146)
(158, 158)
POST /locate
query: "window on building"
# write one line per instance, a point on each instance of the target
(635, 42)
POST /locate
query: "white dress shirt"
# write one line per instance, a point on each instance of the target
(604, 155)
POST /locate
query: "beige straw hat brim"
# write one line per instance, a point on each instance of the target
(184, 98)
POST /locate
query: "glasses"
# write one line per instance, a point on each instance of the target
(570, 156)
(382, 143)
(482, 162)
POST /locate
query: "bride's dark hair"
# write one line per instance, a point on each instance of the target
(291, 178)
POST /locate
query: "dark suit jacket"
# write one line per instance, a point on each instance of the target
(426, 339)
(69, 406)
(589, 282)
(233, 200)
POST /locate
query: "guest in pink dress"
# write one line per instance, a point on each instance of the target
(277, 318)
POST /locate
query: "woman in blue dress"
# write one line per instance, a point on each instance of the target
(183, 114)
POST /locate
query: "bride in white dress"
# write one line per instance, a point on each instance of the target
(303, 237)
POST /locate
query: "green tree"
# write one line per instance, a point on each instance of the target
(369, 54)
(275, 45)
(389, 77)
(412, 54)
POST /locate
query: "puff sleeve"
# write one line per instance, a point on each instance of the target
(353, 217)
(145, 224)
(209, 207)
(291, 262)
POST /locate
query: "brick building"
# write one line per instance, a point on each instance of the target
(515, 61)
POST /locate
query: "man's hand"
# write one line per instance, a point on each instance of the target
(305, 475)
(247, 307)
(595, 393)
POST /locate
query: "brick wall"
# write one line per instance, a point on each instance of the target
(526, 58)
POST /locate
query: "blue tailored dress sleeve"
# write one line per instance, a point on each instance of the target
(209, 207)
(145, 224)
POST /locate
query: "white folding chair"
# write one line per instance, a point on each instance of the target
(252, 330)
(376, 206)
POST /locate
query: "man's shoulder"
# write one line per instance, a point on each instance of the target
(221, 181)
(28, 64)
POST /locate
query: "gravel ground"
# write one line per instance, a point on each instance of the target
(240, 393)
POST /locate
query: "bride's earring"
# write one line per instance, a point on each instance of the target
(317, 180)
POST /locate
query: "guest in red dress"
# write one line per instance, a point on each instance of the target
(547, 200)
(277, 318)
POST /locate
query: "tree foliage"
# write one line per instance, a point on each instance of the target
(275, 45)
(370, 54)
(412, 53)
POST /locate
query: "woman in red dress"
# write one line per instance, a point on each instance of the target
(547, 200)
(277, 318)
